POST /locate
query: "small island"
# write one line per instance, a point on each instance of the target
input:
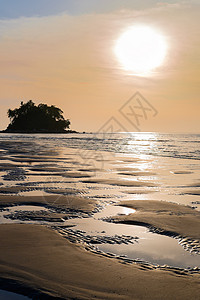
(41, 118)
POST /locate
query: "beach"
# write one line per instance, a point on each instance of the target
(47, 264)
(84, 217)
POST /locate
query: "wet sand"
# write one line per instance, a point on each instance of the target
(170, 219)
(164, 216)
(36, 259)
(45, 264)
(122, 182)
(195, 192)
(59, 202)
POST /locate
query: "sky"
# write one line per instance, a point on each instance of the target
(62, 53)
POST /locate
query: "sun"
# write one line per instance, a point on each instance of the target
(141, 49)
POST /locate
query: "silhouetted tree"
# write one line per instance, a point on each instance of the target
(32, 118)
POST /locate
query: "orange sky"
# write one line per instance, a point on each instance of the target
(68, 60)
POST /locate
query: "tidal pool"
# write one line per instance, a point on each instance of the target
(150, 247)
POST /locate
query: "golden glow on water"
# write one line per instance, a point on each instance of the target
(141, 49)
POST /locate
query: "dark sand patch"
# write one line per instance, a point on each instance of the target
(43, 155)
(182, 172)
(32, 160)
(41, 262)
(51, 165)
(125, 169)
(90, 170)
(40, 216)
(131, 173)
(42, 184)
(139, 192)
(8, 167)
(168, 217)
(121, 182)
(76, 203)
(18, 174)
(16, 189)
(48, 169)
(191, 192)
(66, 191)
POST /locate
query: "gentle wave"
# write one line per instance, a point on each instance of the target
(184, 146)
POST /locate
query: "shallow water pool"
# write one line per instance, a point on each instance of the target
(151, 247)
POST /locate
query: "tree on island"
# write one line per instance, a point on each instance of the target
(32, 118)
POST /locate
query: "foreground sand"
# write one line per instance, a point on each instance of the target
(45, 264)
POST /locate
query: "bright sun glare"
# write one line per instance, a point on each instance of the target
(141, 49)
